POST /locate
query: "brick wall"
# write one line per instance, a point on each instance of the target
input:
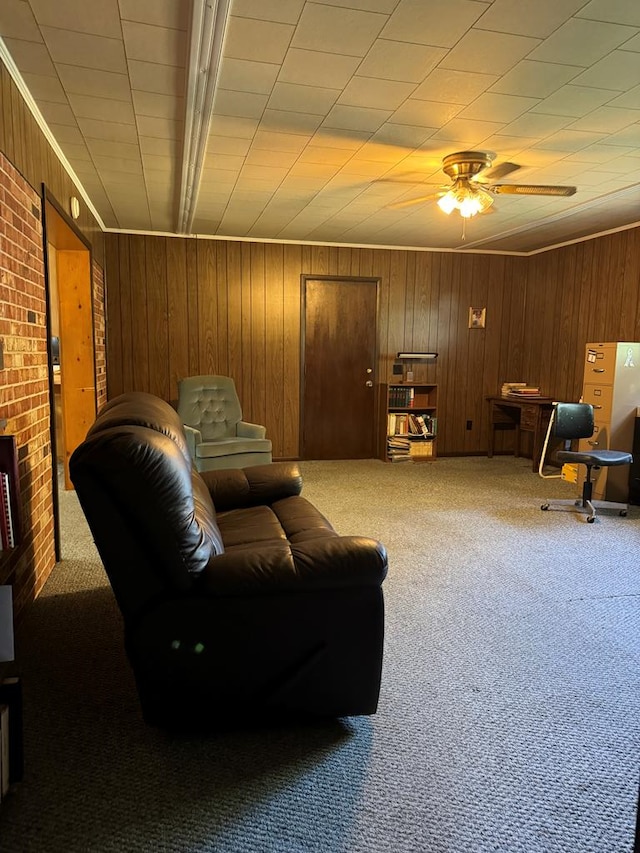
(24, 382)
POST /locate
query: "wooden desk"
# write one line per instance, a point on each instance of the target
(523, 415)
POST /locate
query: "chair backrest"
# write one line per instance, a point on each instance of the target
(210, 404)
(573, 420)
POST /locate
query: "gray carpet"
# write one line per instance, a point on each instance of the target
(509, 717)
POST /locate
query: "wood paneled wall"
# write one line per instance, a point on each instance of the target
(180, 306)
(25, 146)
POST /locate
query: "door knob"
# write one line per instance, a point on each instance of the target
(369, 383)
(369, 370)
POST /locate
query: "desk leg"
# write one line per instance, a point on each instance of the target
(492, 430)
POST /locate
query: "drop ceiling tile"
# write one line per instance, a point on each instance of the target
(280, 11)
(633, 44)
(440, 23)
(467, 131)
(242, 128)
(228, 162)
(598, 153)
(337, 30)
(17, 21)
(399, 60)
(307, 99)
(569, 140)
(454, 87)
(156, 162)
(57, 113)
(539, 19)
(535, 79)
(119, 165)
(618, 71)
(151, 77)
(426, 113)
(498, 107)
(82, 49)
(332, 137)
(579, 42)
(228, 145)
(31, 57)
(148, 43)
(321, 171)
(403, 135)
(65, 134)
(356, 118)
(218, 177)
(263, 157)
(614, 11)
(290, 122)
(239, 104)
(97, 84)
(629, 100)
(151, 145)
(535, 125)
(157, 105)
(260, 41)
(243, 75)
(45, 88)
(85, 106)
(320, 154)
(629, 136)
(93, 129)
(606, 120)
(163, 13)
(104, 148)
(375, 93)
(163, 128)
(316, 68)
(573, 100)
(271, 140)
(485, 52)
(101, 18)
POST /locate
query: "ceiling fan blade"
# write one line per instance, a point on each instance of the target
(398, 205)
(531, 189)
(500, 171)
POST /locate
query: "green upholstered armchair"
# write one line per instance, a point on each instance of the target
(216, 434)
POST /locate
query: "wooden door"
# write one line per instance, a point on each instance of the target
(339, 367)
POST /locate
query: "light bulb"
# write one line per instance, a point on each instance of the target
(447, 203)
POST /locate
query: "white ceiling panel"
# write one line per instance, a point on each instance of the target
(325, 113)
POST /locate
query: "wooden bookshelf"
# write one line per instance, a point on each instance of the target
(410, 422)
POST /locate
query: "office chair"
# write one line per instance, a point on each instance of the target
(575, 420)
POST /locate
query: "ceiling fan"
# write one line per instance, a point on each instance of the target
(473, 187)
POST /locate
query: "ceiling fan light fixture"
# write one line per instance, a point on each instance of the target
(465, 197)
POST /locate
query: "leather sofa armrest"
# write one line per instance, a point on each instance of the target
(337, 563)
(247, 430)
(193, 437)
(235, 488)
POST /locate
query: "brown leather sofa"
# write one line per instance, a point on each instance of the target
(239, 599)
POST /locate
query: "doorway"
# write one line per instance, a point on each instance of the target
(71, 343)
(339, 358)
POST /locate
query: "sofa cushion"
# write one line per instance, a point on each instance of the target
(249, 527)
(226, 446)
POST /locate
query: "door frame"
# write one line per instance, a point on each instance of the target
(58, 225)
(372, 279)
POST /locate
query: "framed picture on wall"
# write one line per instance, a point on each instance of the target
(477, 317)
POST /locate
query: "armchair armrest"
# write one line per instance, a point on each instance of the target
(193, 437)
(247, 430)
(234, 488)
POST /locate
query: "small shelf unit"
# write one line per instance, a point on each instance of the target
(410, 422)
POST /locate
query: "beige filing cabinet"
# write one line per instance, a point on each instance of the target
(612, 386)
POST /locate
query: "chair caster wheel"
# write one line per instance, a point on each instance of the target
(591, 519)
(623, 513)
(544, 506)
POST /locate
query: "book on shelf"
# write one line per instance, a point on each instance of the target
(11, 697)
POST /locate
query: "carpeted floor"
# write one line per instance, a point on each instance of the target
(509, 717)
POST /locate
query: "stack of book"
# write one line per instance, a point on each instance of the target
(398, 448)
(519, 389)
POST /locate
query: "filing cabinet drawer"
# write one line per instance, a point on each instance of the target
(601, 398)
(600, 363)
